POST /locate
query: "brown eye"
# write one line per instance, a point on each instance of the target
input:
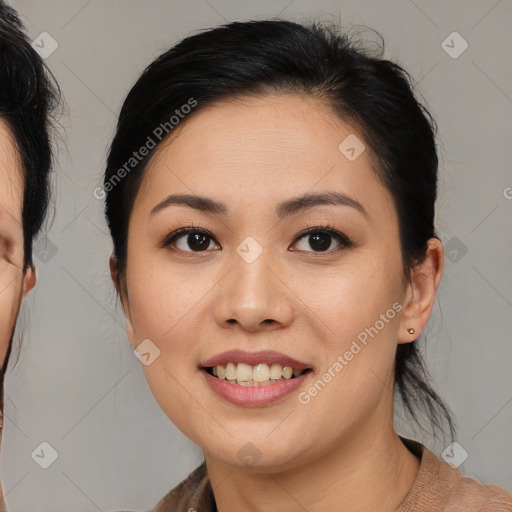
(194, 240)
(320, 239)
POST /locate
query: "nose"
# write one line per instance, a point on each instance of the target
(254, 295)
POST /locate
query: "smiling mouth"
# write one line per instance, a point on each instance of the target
(262, 374)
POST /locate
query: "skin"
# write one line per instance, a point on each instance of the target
(339, 451)
(15, 282)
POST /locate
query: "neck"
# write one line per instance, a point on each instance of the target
(367, 472)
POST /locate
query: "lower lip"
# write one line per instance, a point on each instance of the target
(253, 396)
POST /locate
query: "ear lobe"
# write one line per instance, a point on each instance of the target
(29, 280)
(421, 293)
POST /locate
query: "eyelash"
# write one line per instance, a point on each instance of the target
(344, 241)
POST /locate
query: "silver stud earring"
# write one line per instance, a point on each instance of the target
(410, 331)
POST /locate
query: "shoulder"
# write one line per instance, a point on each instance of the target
(468, 495)
(193, 493)
(441, 487)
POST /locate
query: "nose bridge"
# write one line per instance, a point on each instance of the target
(252, 294)
(252, 264)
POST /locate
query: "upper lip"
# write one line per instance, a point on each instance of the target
(253, 358)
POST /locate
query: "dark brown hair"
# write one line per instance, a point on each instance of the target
(28, 95)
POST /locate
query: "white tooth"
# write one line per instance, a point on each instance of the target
(255, 383)
(230, 371)
(243, 372)
(214, 370)
(258, 375)
(261, 373)
(276, 371)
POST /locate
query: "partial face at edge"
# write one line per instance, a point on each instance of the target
(14, 283)
(294, 298)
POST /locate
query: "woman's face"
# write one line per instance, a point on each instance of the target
(14, 283)
(258, 284)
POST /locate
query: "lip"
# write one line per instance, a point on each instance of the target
(253, 358)
(253, 396)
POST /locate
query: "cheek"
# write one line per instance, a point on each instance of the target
(353, 299)
(359, 311)
(165, 305)
(159, 297)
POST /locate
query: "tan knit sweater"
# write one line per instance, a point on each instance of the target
(437, 488)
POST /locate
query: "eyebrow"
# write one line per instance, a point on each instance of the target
(283, 209)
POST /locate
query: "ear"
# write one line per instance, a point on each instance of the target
(421, 292)
(114, 275)
(29, 280)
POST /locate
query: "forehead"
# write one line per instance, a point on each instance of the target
(11, 175)
(265, 131)
(259, 150)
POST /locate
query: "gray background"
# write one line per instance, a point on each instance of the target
(77, 384)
